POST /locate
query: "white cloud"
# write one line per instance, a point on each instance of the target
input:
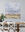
(9, 5)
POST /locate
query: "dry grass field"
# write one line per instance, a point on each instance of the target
(17, 16)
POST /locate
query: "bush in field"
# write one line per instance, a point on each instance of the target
(2, 17)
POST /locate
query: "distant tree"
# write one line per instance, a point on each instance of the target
(2, 17)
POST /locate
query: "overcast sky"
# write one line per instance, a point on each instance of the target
(9, 5)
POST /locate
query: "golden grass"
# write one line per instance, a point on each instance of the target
(13, 16)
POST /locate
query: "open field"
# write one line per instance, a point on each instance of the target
(13, 16)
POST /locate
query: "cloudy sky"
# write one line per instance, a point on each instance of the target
(9, 5)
